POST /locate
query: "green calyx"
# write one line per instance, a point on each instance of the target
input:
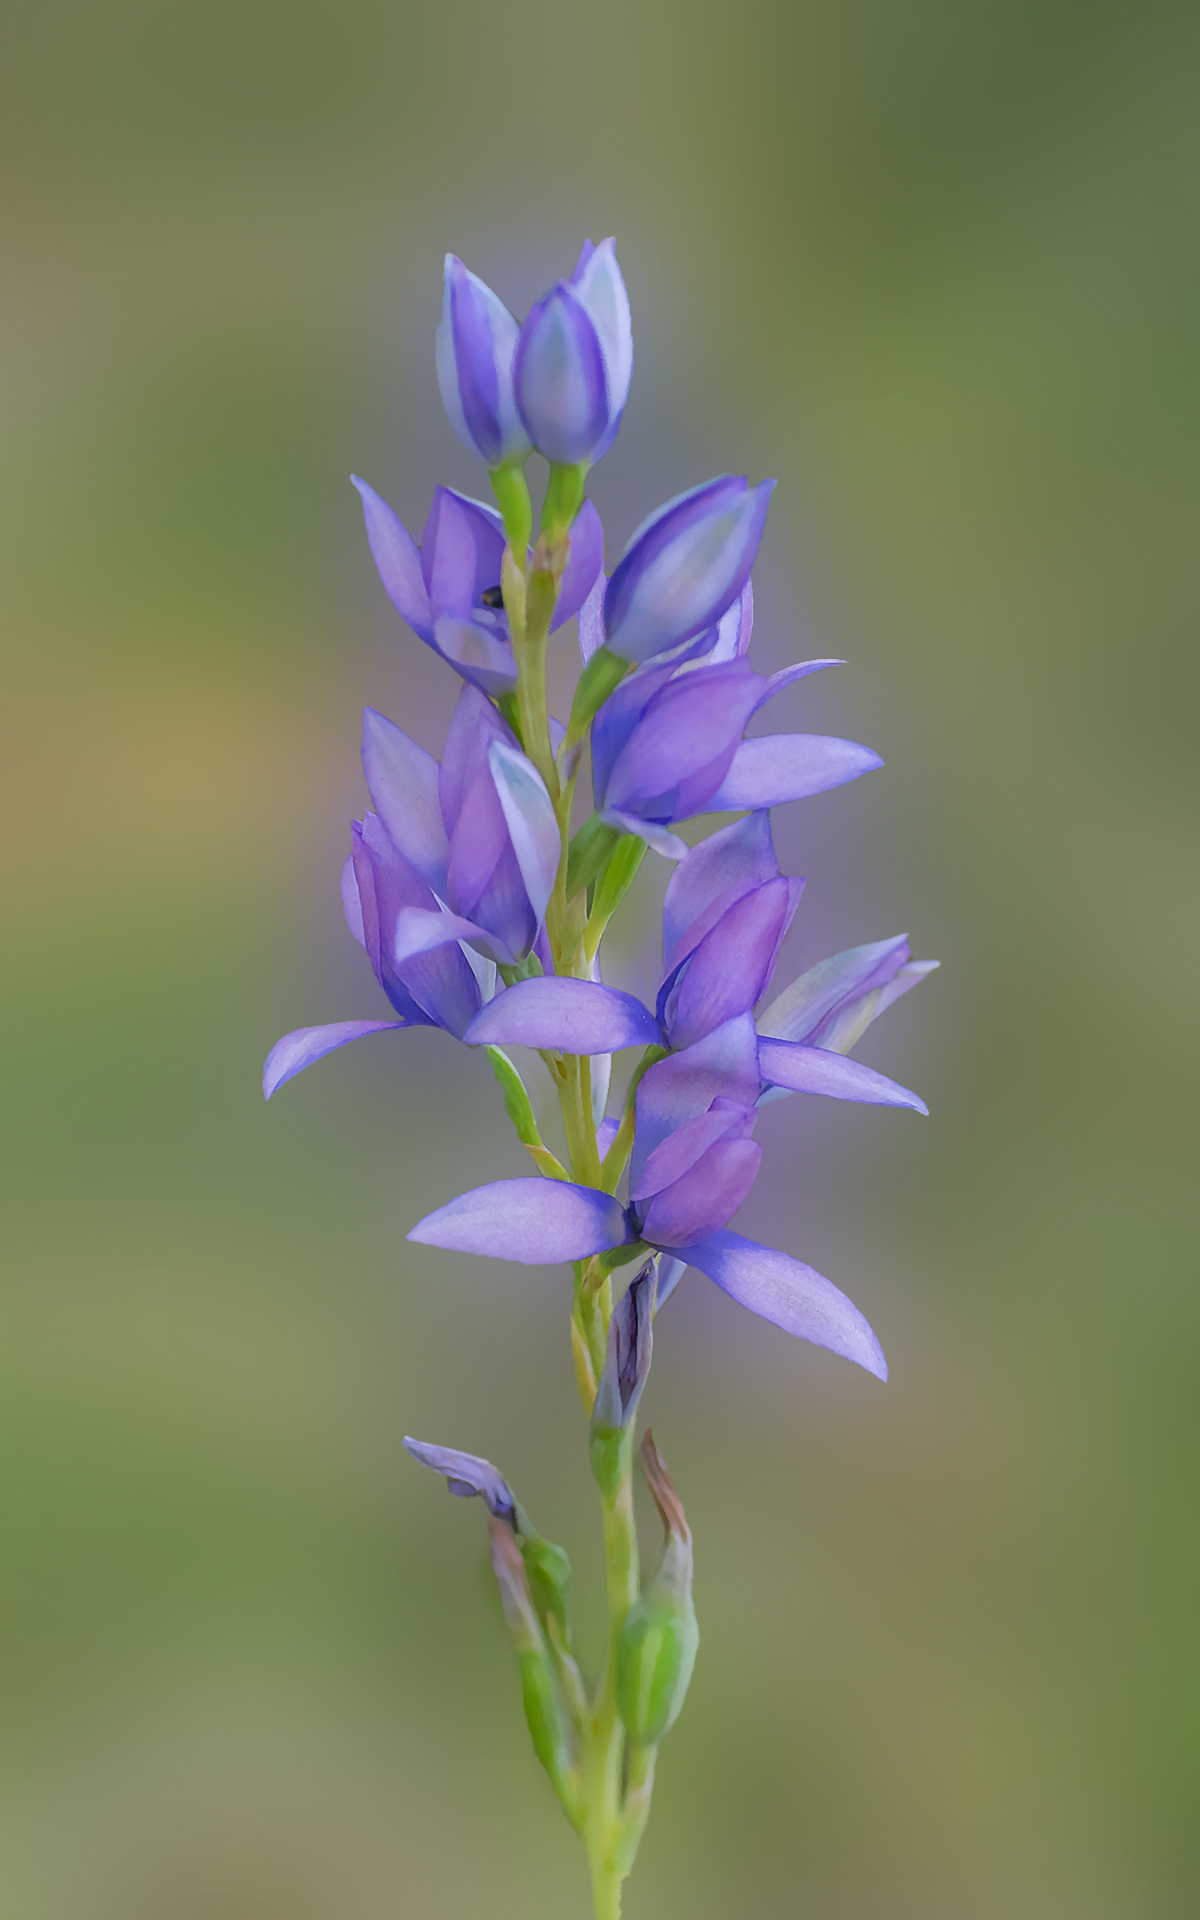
(590, 849)
(564, 497)
(602, 675)
(512, 497)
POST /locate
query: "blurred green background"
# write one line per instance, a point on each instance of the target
(935, 265)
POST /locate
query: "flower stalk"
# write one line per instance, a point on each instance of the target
(482, 907)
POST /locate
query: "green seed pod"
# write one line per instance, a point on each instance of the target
(656, 1650)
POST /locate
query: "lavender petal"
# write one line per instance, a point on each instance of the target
(789, 766)
(536, 1222)
(298, 1050)
(576, 1016)
(805, 1069)
(789, 1294)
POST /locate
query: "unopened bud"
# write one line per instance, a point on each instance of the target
(626, 1367)
(656, 1650)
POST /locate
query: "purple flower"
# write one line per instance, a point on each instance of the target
(432, 989)
(448, 589)
(668, 744)
(474, 348)
(480, 828)
(574, 361)
(684, 567)
(693, 1164)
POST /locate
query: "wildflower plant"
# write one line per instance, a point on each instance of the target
(482, 898)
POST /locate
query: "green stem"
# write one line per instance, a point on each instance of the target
(600, 1784)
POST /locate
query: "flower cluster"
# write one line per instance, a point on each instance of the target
(482, 907)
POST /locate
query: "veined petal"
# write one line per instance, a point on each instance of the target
(684, 566)
(733, 963)
(846, 1025)
(560, 378)
(395, 554)
(298, 1050)
(576, 1016)
(599, 284)
(724, 1065)
(474, 349)
(532, 821)
(705, 1197)
(403, 783)
(787, 676)
(482, 658)
(800, 1008)
(658, 839)
(533, 1221)
(585, 565)
(689, 726)
(788, 1063)
(790, 1295)
(424, 930)
(729, 864)
(789, 766)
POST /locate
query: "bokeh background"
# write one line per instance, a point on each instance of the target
(935, 265)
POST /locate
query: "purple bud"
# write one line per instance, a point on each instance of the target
(574, 361)
(685, 566)
(627, 1361)
(466, 1475)
(474, 348)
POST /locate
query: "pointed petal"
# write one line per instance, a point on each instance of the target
(802, 1069)
(846, 1025)
(733, 963)
(533, 1221)
(790, 1295)
(787, 676)
(789, 766)
(585, 565)
(403, 783)
(800, 1008)
(424, 930)
(706, 883)
(532, 822)
(395, 554)
(658, 839)
(599, 284)
(298, 1050)
(691, 725)
(578, 1016)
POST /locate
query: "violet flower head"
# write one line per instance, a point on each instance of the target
(684, 566)
(479, 827)
(437, 988)
(475, 347)
(448, 589)
(574, 361)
